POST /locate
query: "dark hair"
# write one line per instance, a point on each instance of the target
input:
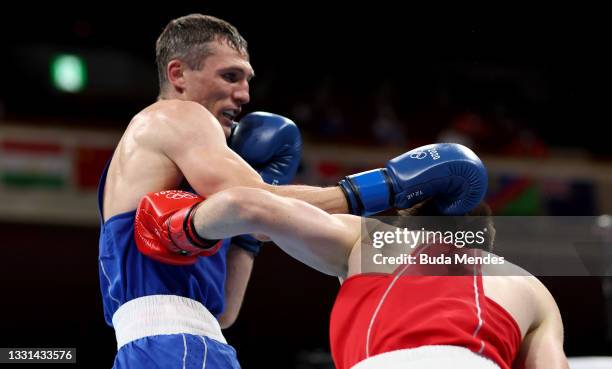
(187, 38)
(427, 215)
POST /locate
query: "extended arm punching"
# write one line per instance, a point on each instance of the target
(312, 236)
(316, 238)
(450, 173)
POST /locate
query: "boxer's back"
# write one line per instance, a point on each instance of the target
(508, 285)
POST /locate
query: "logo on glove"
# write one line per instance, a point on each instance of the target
(434, 154)
(422, 154)
(418, 155)
(176, 195)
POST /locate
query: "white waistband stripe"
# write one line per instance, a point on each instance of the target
(428, 357)
(164, 314)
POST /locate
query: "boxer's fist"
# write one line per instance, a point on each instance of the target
(164, 230)
(450, 173)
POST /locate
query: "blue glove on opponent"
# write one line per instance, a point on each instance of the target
(272, 145)
(450, 173)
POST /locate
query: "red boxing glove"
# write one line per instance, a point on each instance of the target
(164, 230)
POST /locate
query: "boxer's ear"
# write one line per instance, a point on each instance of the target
(175, 72)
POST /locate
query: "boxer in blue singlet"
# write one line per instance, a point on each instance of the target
(169, 312)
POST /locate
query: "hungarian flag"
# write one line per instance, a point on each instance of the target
(33, 164)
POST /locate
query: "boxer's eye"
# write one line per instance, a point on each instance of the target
(230, 77)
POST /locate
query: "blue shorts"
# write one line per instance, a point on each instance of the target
(184, 351)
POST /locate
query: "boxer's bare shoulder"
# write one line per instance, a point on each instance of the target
(154, 146)
(174, 122)
(141, 163)
(520, 293)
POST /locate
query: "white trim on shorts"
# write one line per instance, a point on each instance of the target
(428, 357)
(164, 314)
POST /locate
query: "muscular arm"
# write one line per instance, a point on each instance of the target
(195, 142)
(542, 347)
(330, 199)
(193, 139)
(239, 267)
(312, 236)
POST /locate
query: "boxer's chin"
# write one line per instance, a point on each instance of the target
(226, 124)
(227, 131)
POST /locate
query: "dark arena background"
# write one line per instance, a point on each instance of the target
(526, 93)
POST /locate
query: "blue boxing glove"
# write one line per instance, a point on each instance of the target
(450, 173)
(270, 143)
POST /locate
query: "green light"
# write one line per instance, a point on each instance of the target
(68, 73)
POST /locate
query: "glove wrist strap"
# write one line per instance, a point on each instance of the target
(368, 192)
(184, 236)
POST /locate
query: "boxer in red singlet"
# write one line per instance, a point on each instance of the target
(412, 316)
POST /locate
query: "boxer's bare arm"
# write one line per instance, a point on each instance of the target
(312, 236)
(542, 347)
(330, 199)
(194, 140)
(239, 267)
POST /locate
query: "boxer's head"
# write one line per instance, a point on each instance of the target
(204, 59)
(427, 215)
